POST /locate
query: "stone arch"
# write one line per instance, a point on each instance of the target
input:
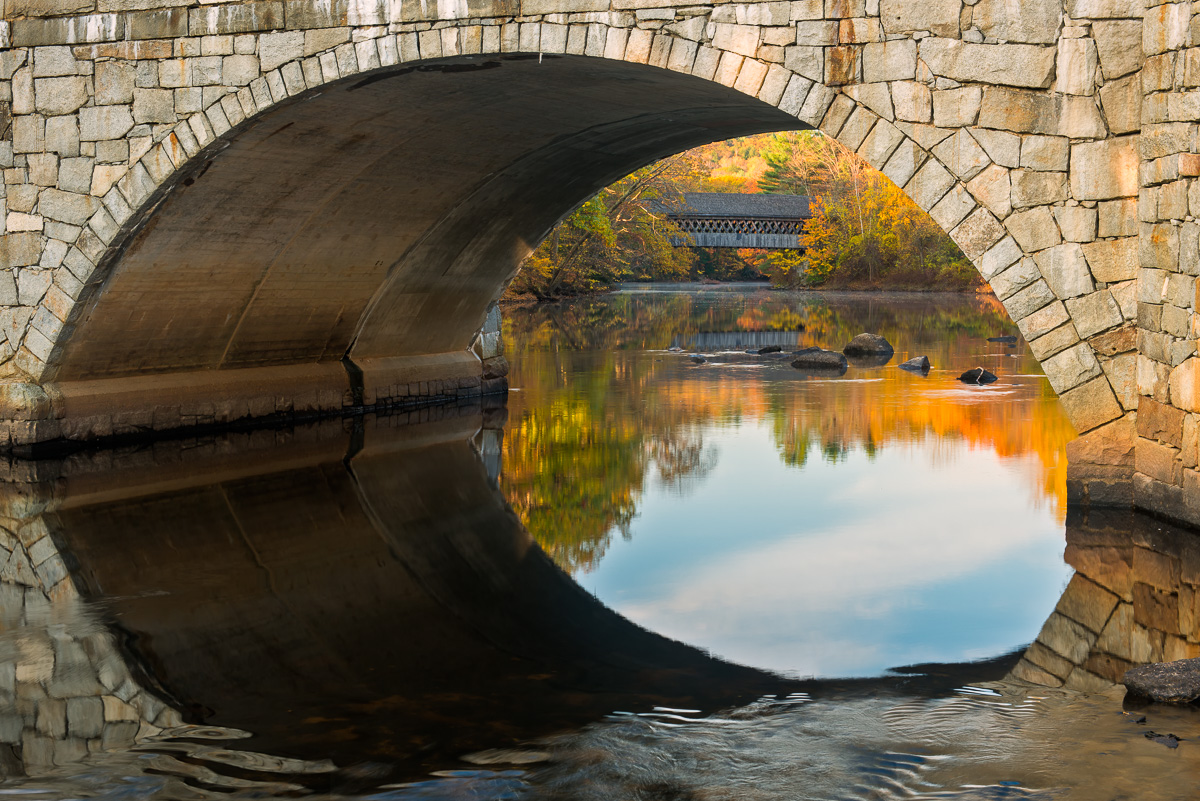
(942, 136)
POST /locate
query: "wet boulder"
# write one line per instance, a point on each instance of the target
(868, 345)
(819, 360)
(918, 365)
(769, 349)
(697, 359)
(1166, 682)
(978, 376)
(495, 367)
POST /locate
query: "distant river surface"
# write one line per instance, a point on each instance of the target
(811, 525)
(666, 570)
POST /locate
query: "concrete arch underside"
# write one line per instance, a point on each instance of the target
(255, 208)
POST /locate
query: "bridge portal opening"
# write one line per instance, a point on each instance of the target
(796, 208)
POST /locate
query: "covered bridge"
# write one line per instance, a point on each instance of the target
(722, 220)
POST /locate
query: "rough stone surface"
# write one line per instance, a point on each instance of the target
(1002, 64)
(1166, 682)
(1077, 223)
(1113, 260)
(818, 359)
(868, 345)
(1071, 367)
(937, 16)
(1111, 444)
(1104, 170)
(1031, 21)
(1065, 270)
(1034, 229)
(1094, 313)
(1091, 405)
(1119, 46)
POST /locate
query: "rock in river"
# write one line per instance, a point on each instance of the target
(917, 365)
(868, 345)
(697, 359)
(977, 376)
(1007, 340)
(817, 359)
(495, 367)
(1166, 682)
(769, 349)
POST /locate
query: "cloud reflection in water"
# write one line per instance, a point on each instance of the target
(929, 551)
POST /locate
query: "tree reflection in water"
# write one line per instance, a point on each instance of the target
(349, 610)
(602, 407)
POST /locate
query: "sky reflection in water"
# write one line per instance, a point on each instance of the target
(827, 527)
(353, 612)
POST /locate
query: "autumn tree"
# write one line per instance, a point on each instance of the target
(617, 235)
(864, 231)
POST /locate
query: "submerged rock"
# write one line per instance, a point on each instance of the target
(697, 359)
(918, 365)
(1008, 340)
(1166, 682)
(817, 359)
(506, 756)
(869, 359)
(769, 349)
(978, 376)
(868, 345)
(1169, 740)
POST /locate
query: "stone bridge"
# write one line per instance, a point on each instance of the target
(221, 210)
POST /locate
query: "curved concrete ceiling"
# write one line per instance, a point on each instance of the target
(381, 216)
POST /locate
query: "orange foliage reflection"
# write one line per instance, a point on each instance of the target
(602, 407)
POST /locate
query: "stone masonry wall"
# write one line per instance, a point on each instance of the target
(1134, 598)
(1167, 476)
(65, 690)
(1015, 125)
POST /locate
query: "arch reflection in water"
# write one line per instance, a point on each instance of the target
(348, 606)
(362, 595)
(1052, 728)
(1134, 598)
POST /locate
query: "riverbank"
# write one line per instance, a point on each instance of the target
(520, 301)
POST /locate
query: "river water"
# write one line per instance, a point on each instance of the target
(646, 577)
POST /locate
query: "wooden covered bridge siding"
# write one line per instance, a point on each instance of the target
(217, 210)
(733, 220)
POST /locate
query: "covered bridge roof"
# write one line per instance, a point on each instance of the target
(718, 204)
